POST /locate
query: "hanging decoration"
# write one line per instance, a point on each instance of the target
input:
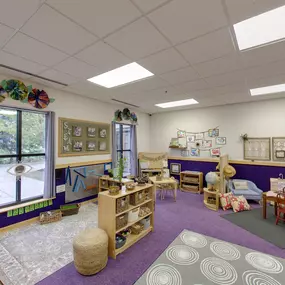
(126, 115)
(156, 158)
(17, 90)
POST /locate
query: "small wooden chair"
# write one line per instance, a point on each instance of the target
(280, 207)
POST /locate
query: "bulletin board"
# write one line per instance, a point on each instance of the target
(257, 149)
(149, 160)
(80, 138)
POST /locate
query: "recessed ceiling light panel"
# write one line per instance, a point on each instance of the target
(268, 90)
(122, 75)
(177, 103)
(262, 29)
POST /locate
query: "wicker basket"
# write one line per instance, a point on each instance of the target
(191, 179)
(137, 228)
(50, 217)
(70, 209)
(147, 194)
(130, 186)
(114, 190)
(137, 198)
(122, 204)
(121, 221)
(190, 187)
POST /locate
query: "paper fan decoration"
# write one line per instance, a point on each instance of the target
(126, 114)
(38, 99)
(3, 94)
(16, 89)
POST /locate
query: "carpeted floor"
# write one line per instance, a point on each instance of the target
(200, 259)
(170, 219)
(253, 222)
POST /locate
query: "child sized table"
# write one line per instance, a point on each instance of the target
(267, 197)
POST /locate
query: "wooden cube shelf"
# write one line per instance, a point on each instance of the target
(191, 181)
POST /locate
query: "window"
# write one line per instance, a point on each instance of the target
(123, 145)
(22, 139)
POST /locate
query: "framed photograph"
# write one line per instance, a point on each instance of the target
(181, 134)
(195, 152)
(175, 168)
(257, 149)
(278, 148)
(221, 140)
(90, 146)
(91, 132)
(215, 152)
(207, 143)
(191, 139)
(103, 133)
(77, 145)
(213, 133)
(76, 131)
(199, 136)
(102, 146)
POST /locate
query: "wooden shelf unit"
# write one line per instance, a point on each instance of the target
(191, 181)
(214, 196)
(106, 181)
(107, 217)
(151, 172)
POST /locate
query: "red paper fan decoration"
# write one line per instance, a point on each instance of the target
(38, 99)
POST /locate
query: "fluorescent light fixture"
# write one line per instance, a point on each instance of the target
(268, 90)
(122, 75)
(262, 29)
(177, 103)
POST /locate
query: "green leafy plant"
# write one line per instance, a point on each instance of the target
(110, 172)
(121, 166)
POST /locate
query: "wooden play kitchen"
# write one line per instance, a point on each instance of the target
(129, 210)
(191, 181)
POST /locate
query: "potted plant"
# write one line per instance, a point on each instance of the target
(121, 167)
(110, 173)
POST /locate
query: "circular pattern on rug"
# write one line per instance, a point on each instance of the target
(38, 99)
(163, 274)
(182, 255)
(263, 262)
(252, 277)
(218, 271)
(193, 239)
(225, 250)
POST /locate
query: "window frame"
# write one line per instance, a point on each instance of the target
(19, 155)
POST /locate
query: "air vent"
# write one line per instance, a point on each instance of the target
(125, 103)
(33, 75)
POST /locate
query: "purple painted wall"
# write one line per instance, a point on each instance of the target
(260, 175)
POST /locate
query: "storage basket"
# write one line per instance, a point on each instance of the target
(50, 217)
(122, 204)
(133, 215)
(121, 221)
(71, 209)
(114, 190)
(120, 240)
(144, 211)
(137, 228)
(130, 186)
(146, 223)
(191, 179)
(137, 198)
(147, 194)
(104, 183)
(190, 187)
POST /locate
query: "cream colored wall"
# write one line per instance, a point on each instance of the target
(257, 119)
(78, 107)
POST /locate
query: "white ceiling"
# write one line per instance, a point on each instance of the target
(188, 45)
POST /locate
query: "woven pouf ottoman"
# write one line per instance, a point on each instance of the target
(90, 251)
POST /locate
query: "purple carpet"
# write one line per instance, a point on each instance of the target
(170, 219)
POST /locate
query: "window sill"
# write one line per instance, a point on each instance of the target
(6, 209)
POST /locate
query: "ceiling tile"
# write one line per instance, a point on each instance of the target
(42, 82)
(220, 65)
(181, 75)
(182, 20)
(138, 39)
(226, 79)
(14, 74)
(77, 68)
(29, 48)
(15, 13)
(266, 81)
(52, 28)
(210, 46)
(103, 56)
(58, 76)
(243, 9)
(5, 34)
(192, 86)
(101, 17)
(148, 5)
(20, 63)
(163, 61)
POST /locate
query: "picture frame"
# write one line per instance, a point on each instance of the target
(199, 136)
(280, 154)
(215, 152)
(91, 132)
(213, 133)
(76, 131)
(195, 152)
(191, 139)
(102, 146)
(77, 146)
(278, 148)
(221, 140)
(165, 173)
(257, 149)
(175, 168)
(90, 145)
(102, 133)
(207, 143)
(181, 134)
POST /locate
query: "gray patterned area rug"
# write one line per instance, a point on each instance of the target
(31, 253)
(194, 259)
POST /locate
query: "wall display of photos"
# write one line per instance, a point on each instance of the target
(80, 138)
(257, 149)
(278, 149)
(175, 168)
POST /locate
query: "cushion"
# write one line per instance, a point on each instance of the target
(239, 204)
(240, 185)
(225, 200)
